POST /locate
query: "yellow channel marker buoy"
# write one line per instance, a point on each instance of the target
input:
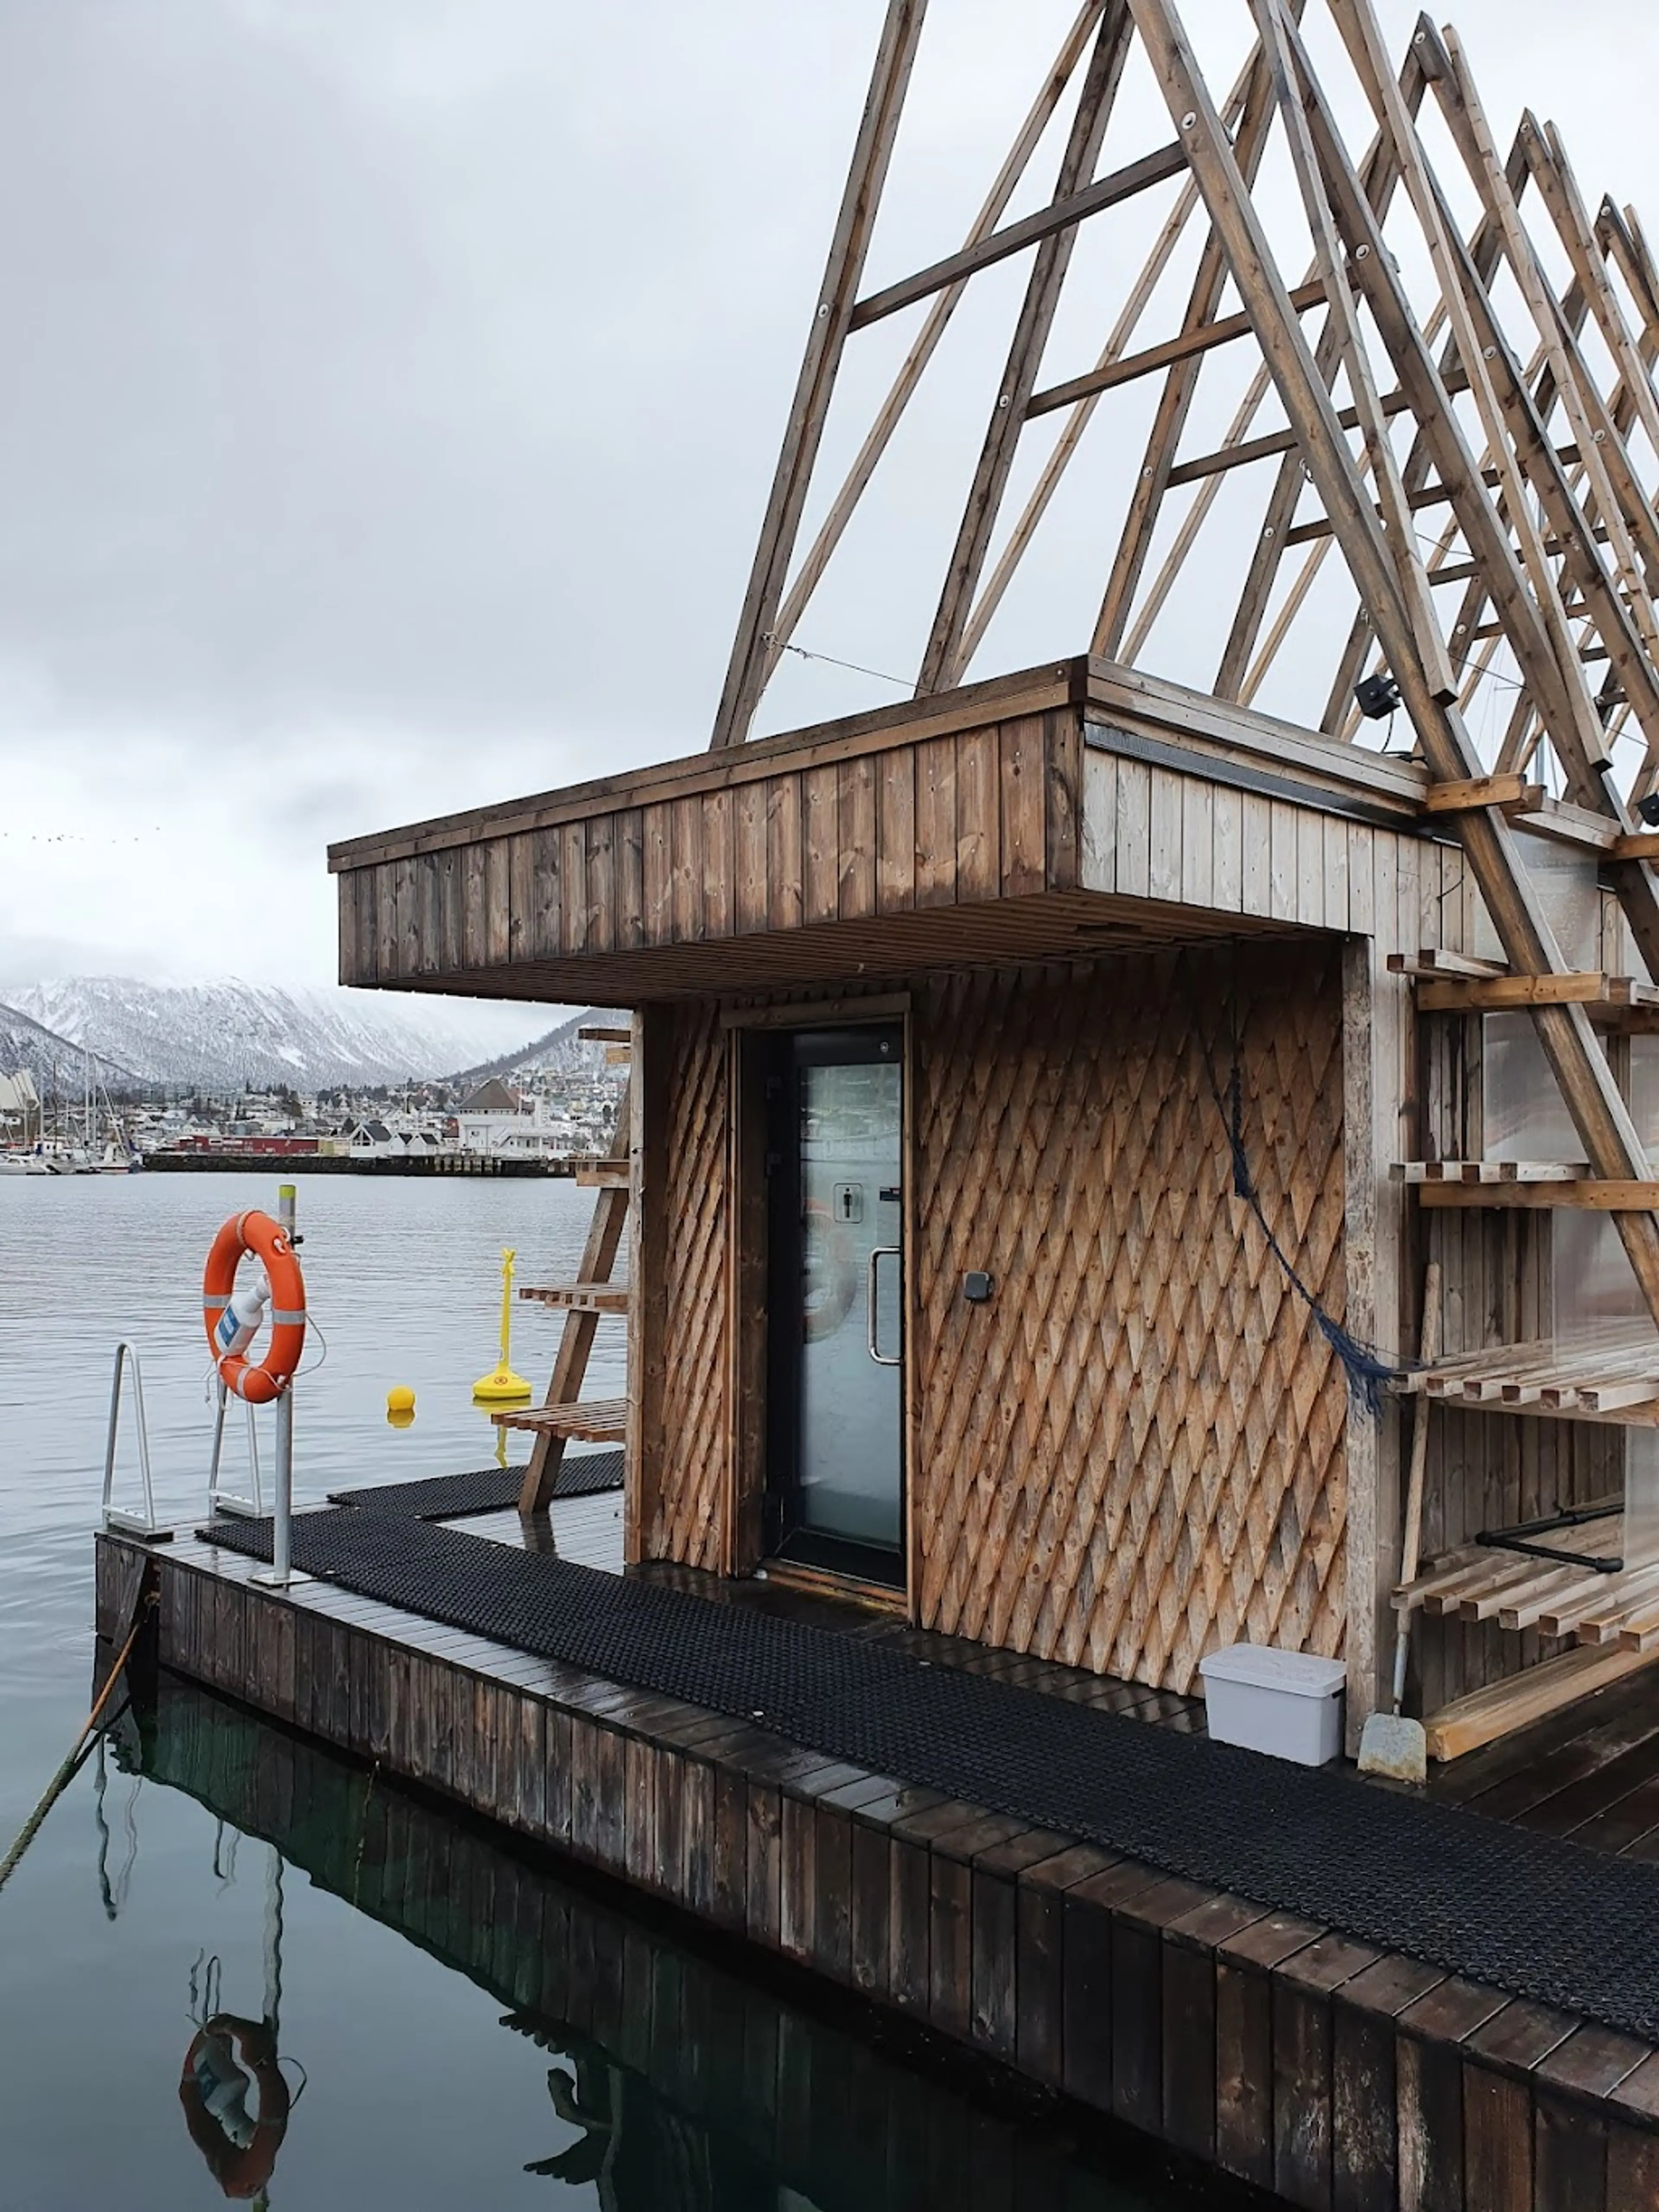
(400, 1400)
(503, 1387)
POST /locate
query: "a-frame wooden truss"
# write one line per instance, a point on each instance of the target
(1490, 378)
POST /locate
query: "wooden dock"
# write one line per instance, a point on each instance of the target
(1275, 2049)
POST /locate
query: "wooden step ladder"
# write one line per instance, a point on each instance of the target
(564, 1414)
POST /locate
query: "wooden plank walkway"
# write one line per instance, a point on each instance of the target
(1274, 2049)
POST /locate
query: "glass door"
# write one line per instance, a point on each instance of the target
(835, 1301)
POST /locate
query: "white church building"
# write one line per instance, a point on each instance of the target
(498, 1122)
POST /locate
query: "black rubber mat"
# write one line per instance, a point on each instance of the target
(1541, 1917)
(486, 1489)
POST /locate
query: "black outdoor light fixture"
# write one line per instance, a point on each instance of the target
(1377, 696)
(1648, 808)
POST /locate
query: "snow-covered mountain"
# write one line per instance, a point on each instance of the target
(58, 1065)
(559, 1051)
(224, 1036)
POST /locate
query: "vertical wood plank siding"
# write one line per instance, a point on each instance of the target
(971, 816)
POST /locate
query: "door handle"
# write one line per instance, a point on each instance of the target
(879, 1253)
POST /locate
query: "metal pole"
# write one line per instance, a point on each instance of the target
(282, 1533)
(218, 1450)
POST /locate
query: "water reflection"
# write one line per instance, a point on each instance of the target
(229, 2059)
(674, 2085)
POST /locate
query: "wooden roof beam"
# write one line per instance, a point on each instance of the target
(1462, 288)
(1341, 342)
(1527, 446)
(831, 319)
(1616, 235)
(1552, 675)
(1612, 1145)
(1347, 346)
(1485, 531)
(1427, 495)
(1134, 544)
(926, 344)
(1484, 246)
(1173, 351)
(1620, 499)
(1060, 459)
(1271, 442)
(1558, 187)
(1151, 604)
(942, 660)
(1154, 168)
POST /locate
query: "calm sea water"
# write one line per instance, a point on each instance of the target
(472, 2031)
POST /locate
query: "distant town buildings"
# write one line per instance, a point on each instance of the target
(546, 1115)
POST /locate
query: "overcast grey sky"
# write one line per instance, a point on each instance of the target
(390, 386)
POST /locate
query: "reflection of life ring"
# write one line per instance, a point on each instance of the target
(829, 1278)
(240, 2149)
(233, 1318)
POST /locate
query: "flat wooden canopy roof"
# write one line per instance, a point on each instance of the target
(1064, 811)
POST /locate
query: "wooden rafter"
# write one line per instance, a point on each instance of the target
(831, 322)
(1613, 1147)
(1563, 552)
(1180, 387)
(1470, 436)
(926, 344)
(942, 660)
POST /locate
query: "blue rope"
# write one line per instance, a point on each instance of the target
(1366, 1370)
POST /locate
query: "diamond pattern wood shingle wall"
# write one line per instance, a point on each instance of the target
(685, 1523)
(1135, 1453)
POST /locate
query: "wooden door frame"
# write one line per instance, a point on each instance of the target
(742, 1542)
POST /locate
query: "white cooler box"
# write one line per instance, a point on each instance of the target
(1288, 1704)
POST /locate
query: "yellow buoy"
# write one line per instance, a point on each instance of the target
(401, 1400)
(503, 1387)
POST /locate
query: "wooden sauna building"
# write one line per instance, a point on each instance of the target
(937, 1284)
(940, 1291)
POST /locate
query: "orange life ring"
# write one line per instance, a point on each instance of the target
(261, 1381)
(241, 2170)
